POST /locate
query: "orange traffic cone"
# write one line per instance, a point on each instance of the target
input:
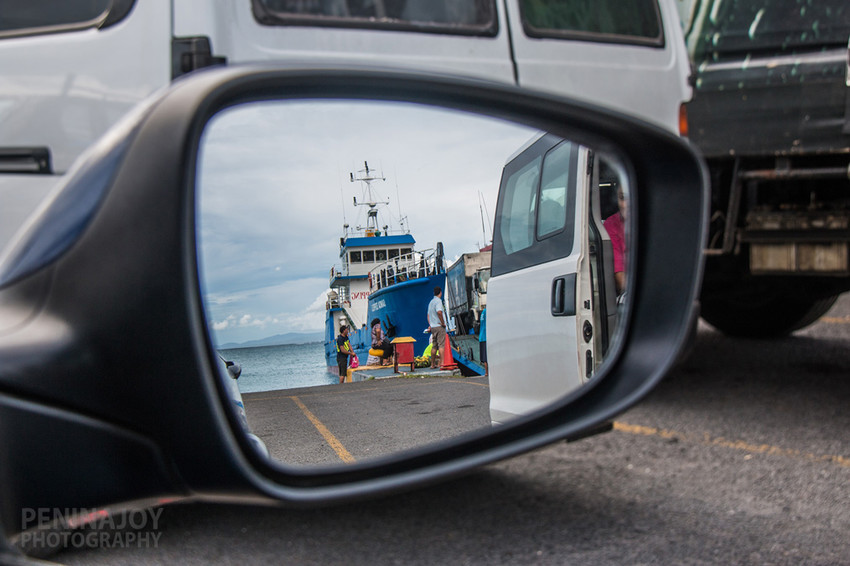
(446, 354)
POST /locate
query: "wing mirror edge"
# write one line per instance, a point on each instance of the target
(181, 112)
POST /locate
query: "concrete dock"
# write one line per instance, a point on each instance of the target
(365, 373)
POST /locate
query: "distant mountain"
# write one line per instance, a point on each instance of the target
(278, 340)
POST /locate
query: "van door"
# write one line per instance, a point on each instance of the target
(596, 296)
(627, 55)
(532, 341)
(72, 69)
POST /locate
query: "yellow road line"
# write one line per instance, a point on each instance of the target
(469, 382)
(707, 440)
(835, 319)
(337, 446)
(283, 394)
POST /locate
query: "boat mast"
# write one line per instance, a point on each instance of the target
(367, 176)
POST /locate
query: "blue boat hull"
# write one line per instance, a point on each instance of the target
(402, 309)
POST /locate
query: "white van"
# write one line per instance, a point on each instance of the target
(72, 68)
(552, 298)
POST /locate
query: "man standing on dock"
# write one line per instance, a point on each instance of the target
(436, 325)
(343, 351)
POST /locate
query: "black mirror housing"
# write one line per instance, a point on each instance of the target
(116, 424)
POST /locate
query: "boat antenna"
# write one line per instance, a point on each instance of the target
(398, 198)
(366, 177)
(342, 201)
(482, 207)
(402, 220)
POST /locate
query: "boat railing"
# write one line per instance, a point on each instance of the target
(404, 268)
(341, 300)
(335, 272)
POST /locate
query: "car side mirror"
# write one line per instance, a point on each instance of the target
(111, 272)
(234, 369)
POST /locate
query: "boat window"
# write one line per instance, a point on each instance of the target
(608, 21)
(369, 256)
(381, 255)
(392, 254)
(455, 17)
(35, 17)
(406, 251)
(354, 257)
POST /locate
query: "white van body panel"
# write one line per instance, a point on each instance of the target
(531, 354)
(64, 90)
(20, 196)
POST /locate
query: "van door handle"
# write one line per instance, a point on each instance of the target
(564, 295)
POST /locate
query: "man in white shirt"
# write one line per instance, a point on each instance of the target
(437, 325)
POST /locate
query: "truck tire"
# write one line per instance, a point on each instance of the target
(762, 313)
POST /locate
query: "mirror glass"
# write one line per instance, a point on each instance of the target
(378, 276)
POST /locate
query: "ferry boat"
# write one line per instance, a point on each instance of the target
(381, 275)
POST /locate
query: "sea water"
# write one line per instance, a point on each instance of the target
(281, 367)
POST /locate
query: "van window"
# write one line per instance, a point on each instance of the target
(613, 21)
(536, 207)
(459, 17)
(552, 217)
(517, 222)
(32, 17)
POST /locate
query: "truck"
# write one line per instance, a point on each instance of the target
(771, 115)
(466, 299)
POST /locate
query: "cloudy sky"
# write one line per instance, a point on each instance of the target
(274, 192)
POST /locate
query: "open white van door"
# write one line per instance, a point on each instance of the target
(597, 296)
(552, 304)
(531, 315)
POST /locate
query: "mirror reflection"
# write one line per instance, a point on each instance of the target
(388, 275)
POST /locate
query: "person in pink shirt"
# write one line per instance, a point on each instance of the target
(615, 226)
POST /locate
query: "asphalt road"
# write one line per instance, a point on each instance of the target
(354, 422)
(741, 456)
